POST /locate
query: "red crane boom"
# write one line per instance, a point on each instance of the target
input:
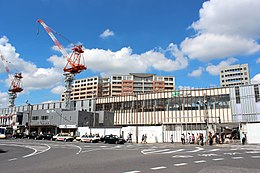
(15, 81)
(75, 60)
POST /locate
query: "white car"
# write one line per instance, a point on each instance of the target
(63, 137)
(90, 139)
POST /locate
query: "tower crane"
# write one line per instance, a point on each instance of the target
(15, 82)
(74, 63)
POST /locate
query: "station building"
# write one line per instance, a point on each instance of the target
(217, 110)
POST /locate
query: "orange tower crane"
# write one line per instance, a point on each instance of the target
(15, 82)
(74, 63)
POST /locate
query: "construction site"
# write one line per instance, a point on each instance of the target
(153, 106)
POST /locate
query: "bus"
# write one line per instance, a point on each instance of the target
(2, 132)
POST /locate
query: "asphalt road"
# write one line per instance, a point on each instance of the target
(30, 156)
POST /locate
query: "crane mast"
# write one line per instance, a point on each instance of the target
(73, 66)
(15, 83)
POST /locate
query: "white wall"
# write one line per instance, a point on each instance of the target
(154, 133)
(252, 133)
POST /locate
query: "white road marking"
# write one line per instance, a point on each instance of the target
(28, 155)
(180, 164)
(207, 155)
(216, 149)
(218, 159)
(174, 151)
(200, 161)
(132, 172)
(255, 157)
(12, 159)
(235, 153)
(157, 151)
(235, 158)
(157, 168)
(253, 152)
(182, 156)
(233, 149)
(197, 150)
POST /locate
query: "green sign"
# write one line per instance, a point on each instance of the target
(175, 94)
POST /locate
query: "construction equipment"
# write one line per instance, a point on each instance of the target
(74, 63)
(15, 82)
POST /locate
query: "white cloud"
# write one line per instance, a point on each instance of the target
(206, 47)
(33, 77)
(196, 73)
(215, 69)
(124, 61)
(107, 33)
(58, 90)
(258, 60)
(225, 28)
(229, 17)
(256, 79)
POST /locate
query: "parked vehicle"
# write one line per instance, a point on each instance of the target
(32, 135)
(19, 135)
(63, 137)
(44, 136)
(2, 132)
(113, 139)
(89, 138)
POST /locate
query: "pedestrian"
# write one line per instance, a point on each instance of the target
(142, 138)
(171, 138)
(182, 138)
(243, 138)
(201, 139)
(193, 138)
(145, 138)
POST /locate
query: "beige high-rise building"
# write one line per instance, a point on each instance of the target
(234, 75)
(120, 85)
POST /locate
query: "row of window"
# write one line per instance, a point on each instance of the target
(172, 104)
(42, 117)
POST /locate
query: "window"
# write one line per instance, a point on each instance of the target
(44, 117)
(237, 93)
(35, 118)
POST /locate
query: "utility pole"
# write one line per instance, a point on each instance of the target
(29, 116)
(136, 116)
(205, 102)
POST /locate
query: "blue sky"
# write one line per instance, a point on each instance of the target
(187, 39)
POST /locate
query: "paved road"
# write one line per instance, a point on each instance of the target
(60, 157)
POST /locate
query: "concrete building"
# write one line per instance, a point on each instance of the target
(185, 111)
(117, 85)
(234, 75)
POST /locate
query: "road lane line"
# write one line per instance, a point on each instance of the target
(255, 157)
(132, 172)
(200, 161)
(157, 151)
(216, 149)
(218, 159)
(180, 164)
(235, 158)
(174, 151)
(198, 149)
(12, 159)
(159, 167)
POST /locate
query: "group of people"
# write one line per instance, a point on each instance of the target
(200, 139)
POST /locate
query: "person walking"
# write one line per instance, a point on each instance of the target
(243, 138)
(171, 138)
(183, 138)
(142, 138)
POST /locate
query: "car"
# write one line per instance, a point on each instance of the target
(90, 138)
(113, 139)
(32, 135)
(44, 136)
(63, 137)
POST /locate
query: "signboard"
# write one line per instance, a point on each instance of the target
(68, 126)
